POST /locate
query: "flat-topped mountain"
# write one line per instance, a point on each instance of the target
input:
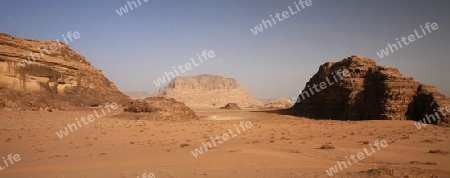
(207, 91)
(41, 73)
(370, 92)
(137, 94)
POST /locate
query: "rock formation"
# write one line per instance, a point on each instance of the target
(137, 94)
(56, 76)
(371, 92)
(159, 108)
(280, 103)
(207, 91)
(231, 106)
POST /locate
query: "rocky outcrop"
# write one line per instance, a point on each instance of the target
(231, 106)
(207, 91)
(370, 92)
(159, 108)
(58, 76)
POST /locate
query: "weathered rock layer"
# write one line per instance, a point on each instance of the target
(57, 77)
(207, 90)
(371, 92)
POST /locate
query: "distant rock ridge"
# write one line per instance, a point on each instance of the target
(61, 77)
(207, 91)
(280, 103)
(372, 92)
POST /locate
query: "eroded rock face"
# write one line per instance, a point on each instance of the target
(207, 90)
(371, 92)
(61, 76)
(160, 108)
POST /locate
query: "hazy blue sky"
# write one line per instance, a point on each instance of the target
(138, 47)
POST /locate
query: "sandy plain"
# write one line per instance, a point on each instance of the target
(276, 146)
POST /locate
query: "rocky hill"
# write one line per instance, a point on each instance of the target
(370, 92)
(52, 75)
(158, 108)
(207, 91)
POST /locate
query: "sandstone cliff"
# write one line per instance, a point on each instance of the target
(54, 77)
(371, 92)
(207, 91)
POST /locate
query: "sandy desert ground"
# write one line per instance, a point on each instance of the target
(276, 146)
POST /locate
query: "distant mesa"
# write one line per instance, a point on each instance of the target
(371, 93)
(207, 91)
(231, 106)
(137, 94)
(61, 78)
(159, 108)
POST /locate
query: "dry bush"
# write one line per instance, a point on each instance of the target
(327, 146)
(438, 151)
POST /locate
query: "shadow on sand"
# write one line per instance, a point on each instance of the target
(290, 112)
